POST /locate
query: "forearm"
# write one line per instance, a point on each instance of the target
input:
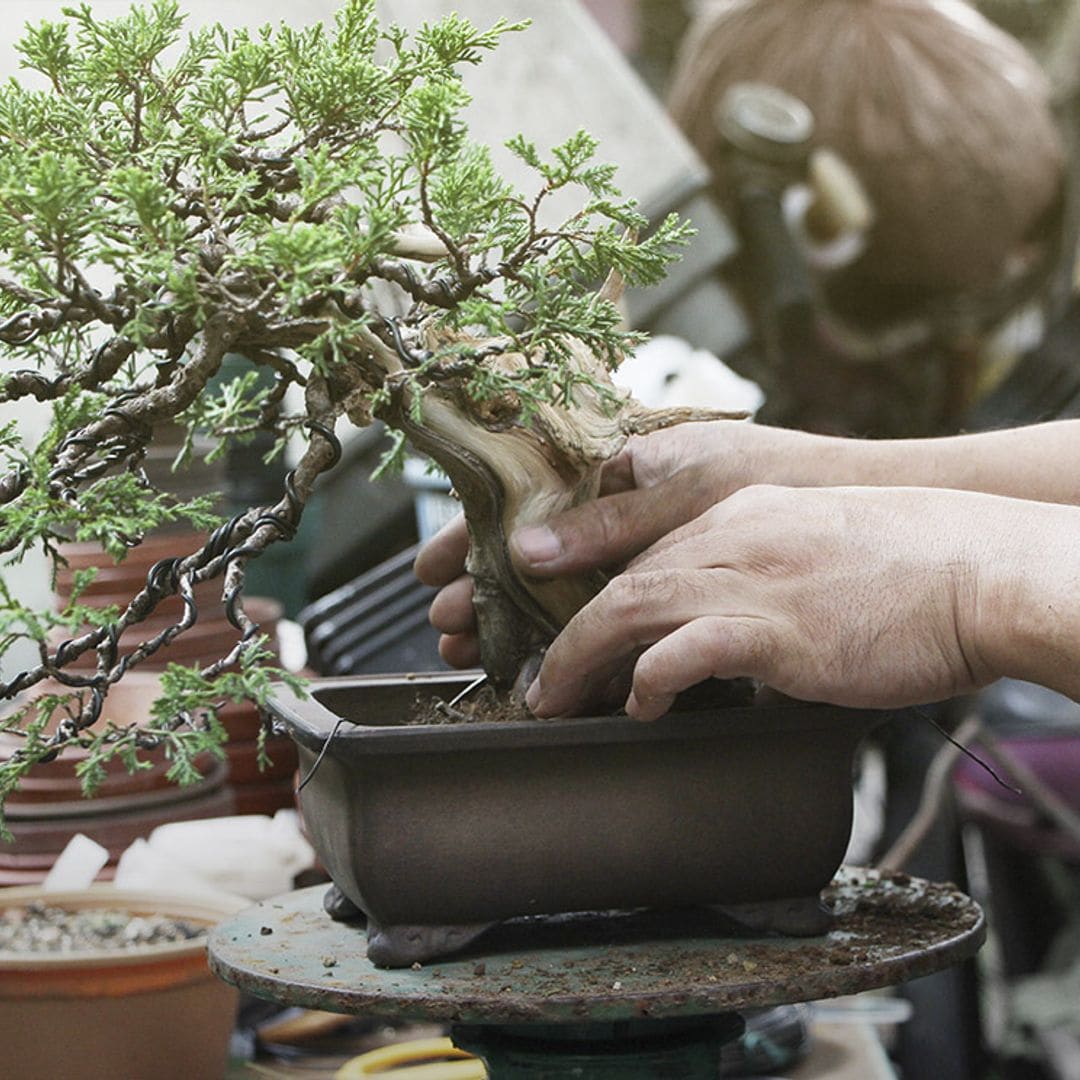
(1040, 462)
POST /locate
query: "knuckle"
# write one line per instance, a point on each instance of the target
(451, 610)
(437, 615)
(629, 593)
(753, 497)
(610, 522)
(442, 558)
(460, 650)
(753, 510)
(754, 643)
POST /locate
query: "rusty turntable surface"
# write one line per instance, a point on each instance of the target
(887, 929)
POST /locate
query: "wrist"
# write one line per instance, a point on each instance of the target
(792, 458)
(1026, 617)
(806, 459)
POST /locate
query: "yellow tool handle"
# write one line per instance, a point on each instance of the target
(385, 1061)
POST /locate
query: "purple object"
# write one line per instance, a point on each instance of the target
(1055, 759)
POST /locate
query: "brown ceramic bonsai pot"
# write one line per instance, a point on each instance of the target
(435, 832)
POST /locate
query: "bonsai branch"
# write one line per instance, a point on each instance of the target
(440, 291)
(145, 409)
(226, 552)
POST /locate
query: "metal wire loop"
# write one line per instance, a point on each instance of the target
(407, 356)
(164, 574)
(329, 435)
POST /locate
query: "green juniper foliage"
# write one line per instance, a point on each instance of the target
(168, 199)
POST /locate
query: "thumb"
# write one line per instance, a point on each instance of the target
(608, 531)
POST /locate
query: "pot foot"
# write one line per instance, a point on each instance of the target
(339, 907)
(402, 946)
(803, 916)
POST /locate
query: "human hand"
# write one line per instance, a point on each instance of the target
(656, 483)
(865, 597)
(440, 563)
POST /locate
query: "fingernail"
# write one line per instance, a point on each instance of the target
(537, 544)
(646, 709)
(532, 695)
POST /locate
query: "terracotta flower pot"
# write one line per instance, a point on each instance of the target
(437, 831)
(163, 545)
(147, 1011)
(207, 640)
(49, 807)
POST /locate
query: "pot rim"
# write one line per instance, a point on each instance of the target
(207, 907)
(312, 724)
(161, 794)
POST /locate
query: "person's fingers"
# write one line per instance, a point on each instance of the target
(460, 650)
(633, 610)
(606, 531)
(452, 609)
(442, 558)
(711, 646)
(592, 689)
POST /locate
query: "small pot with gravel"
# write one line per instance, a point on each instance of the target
(103, 983)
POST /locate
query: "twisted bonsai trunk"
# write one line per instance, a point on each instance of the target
(510, 470)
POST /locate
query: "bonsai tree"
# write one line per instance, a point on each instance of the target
(306, 200)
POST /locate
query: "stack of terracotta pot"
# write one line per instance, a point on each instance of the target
(49, 807)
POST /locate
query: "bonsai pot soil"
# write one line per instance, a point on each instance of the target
(436, 832)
